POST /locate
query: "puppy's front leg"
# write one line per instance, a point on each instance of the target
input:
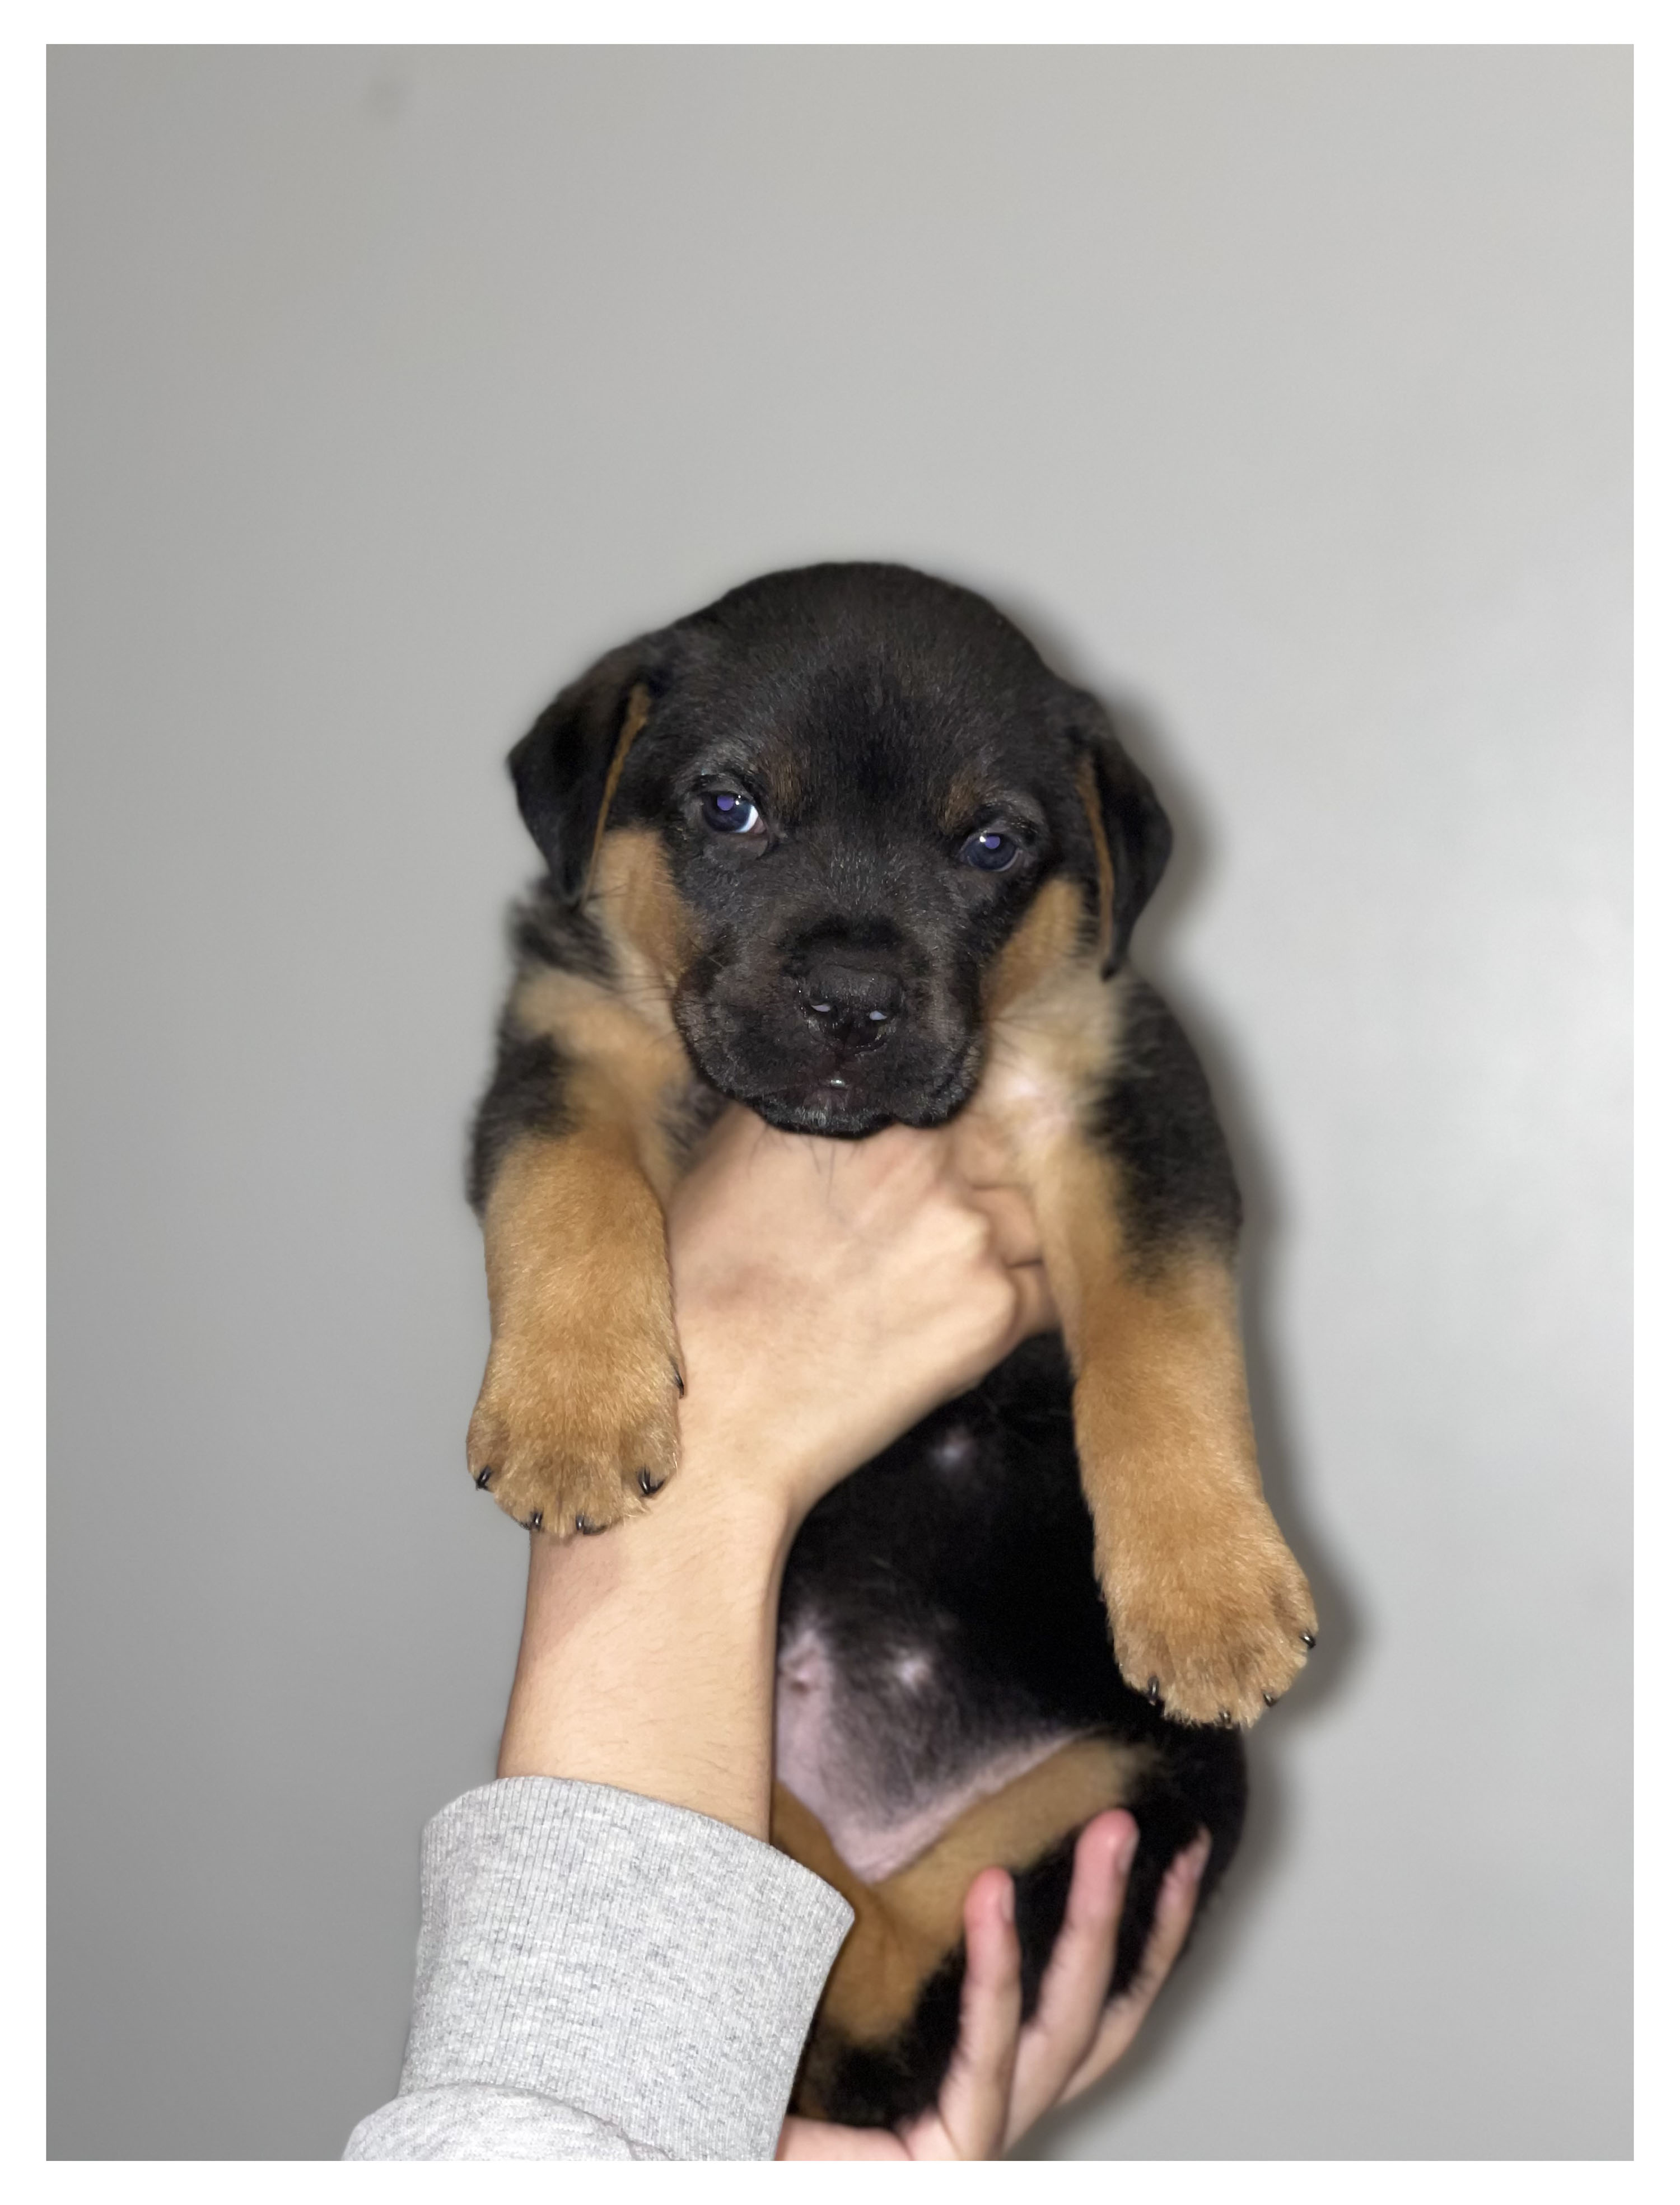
(576, 1420)
(1209, 1610)
(1138, 1212)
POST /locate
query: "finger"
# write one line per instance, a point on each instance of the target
(981, 1151)
(1082, 1966)
(1174, 1911)
(1015, 1229)
(1035, 1307)
(973, 2101)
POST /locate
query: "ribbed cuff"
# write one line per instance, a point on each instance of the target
(639, 1963)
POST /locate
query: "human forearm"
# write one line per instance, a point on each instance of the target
(647, 1661)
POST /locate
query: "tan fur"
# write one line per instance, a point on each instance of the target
(639, 911)
(1205, 1599)
(909, 1922)
(1039, 954)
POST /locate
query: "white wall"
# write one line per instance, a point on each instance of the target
(1281, 392)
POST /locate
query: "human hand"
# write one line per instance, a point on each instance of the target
(830, 1293)
(1003, 2077)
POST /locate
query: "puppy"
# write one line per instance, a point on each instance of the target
(841, 847)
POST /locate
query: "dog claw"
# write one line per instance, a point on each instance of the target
(1152, 1691)
(1308, 1640)
(649, 1485)
(533, 1522)
(1271, 1698)
(677, 1375)
(483, 1479)
(1225, 1718)
(589, 1530)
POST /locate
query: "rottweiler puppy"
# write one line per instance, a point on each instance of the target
(843, 848)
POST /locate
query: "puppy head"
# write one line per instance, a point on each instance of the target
(855, 782)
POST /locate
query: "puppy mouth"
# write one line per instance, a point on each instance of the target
(846, 1107)
(834, 1106)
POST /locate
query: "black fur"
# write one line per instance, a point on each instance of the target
(1157, 1118)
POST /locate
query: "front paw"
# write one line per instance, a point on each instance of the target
(1218, 1630)
(574, 1430)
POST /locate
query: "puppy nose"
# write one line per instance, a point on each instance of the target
(854, 1003)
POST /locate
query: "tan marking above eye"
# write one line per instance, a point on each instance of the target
(776, 772)
(964, 801)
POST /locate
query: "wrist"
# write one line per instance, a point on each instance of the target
(756, 1486)
(682, 1600)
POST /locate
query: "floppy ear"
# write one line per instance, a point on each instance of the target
(1132, 833)
(566, 770)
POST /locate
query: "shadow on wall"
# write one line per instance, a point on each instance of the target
(1266, 1832)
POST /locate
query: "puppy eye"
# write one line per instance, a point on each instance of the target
(991, 850)
(727, 811)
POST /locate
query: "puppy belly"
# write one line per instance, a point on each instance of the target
(878, 1758)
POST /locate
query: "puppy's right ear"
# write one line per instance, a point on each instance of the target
(1131, 832)
(565, 772)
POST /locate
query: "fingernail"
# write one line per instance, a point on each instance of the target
(1006, 1904)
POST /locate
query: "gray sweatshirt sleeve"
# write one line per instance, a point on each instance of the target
(603, 1976)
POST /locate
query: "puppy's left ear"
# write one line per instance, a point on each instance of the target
(566, 771)
(1130, 831)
